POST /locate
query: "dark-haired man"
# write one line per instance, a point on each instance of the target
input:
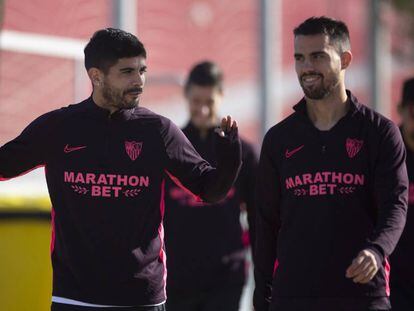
(332, 189)
(402, 259)
(106, 161)
(210, 274)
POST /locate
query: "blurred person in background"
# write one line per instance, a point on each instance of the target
(402, 259)
(332, 189)
(106, 160)
(206, 252)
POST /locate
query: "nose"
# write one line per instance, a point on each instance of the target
(205, 110)
(307, 65)
(139, 80)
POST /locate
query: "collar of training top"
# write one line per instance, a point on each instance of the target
(121, 114)
(355, 105)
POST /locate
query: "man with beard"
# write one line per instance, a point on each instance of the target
(331, 192)
(210, 274)
(402, 259)
(106, 161)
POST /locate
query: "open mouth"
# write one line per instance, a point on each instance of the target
(311, 79)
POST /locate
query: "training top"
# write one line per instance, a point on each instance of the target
(106, 174)
(402, 258)
(322, 197)
(206, 244)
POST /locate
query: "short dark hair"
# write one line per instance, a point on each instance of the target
(205, 73)
(336, 30)
(407, 97)
(108, 45)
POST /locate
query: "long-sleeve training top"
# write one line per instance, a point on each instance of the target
(402, 259)
(105, 174)
(323, 196)
(204, 242)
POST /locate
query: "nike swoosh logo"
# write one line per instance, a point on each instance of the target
(68, 149)
(288, 153)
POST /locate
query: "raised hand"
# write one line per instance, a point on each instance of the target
(228, 127)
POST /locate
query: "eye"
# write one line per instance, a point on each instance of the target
(318, 56)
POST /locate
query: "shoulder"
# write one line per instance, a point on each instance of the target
(156, 122)
(376, 122)
(281, 129)
(147, 116)
(49, 120)
(73, 110)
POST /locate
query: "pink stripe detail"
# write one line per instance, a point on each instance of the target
(162, 203)
(275, 267)
(162, 255)
(245, 238)
(387, 269)
(52, 240)
(23, 173)
(179, 184)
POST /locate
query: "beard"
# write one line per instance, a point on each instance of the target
(118, 98)
(322, 89)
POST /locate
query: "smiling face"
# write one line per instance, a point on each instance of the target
(319, 66)
(203, 105)
(122, 85)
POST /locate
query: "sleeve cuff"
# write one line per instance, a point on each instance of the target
(379, 256)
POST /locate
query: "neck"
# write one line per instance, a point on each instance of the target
(408, 139)
(205, 128)
(101, 102)
(203, 132)
(325, 113)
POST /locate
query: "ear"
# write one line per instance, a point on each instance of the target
(346, 59)
(96, 76)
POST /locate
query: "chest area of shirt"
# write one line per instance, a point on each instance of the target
(108, 146)
(325, 166)
(118, 162)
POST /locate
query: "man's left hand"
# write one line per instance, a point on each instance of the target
(363, 267)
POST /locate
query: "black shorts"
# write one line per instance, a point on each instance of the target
(402, 296)
(66, 307)
(221, 298)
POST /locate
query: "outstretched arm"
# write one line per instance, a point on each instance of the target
(187, 167)
(27, 151)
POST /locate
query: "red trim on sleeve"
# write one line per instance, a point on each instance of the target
(162, 255)
(275, 267)
(179, 184)
(52, 240)
(387, 268)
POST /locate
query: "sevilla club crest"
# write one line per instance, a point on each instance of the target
(353, 146)
(133, 149)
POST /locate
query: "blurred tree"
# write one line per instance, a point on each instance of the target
(406, 6)
(402, 29)
(1, 12)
